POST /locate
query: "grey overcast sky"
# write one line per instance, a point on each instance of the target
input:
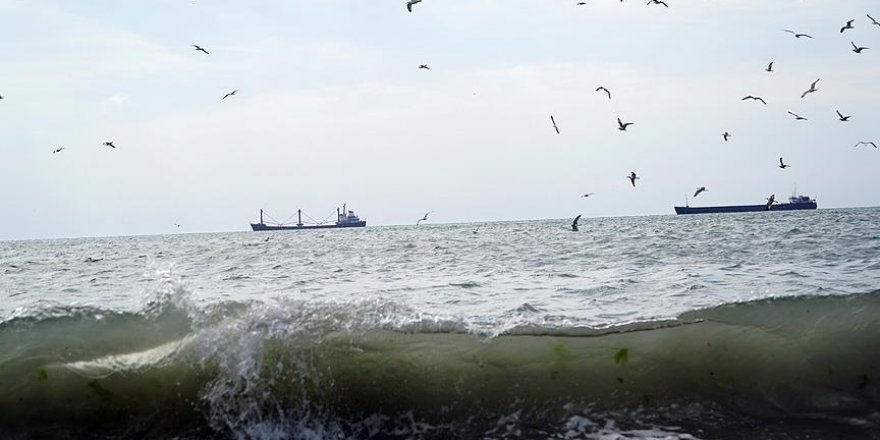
(333, 108)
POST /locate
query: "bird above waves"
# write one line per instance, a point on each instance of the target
(410, 3)
(424, 66)
(57, 150)
(783, 165)
(858, 49)
(797, 35)
(769, 67)
(770, 201)
(726, 135)
(424, 218)
(622, 125)
(699, 190)
(554, 124)
(871, 143)
(657, 2)
(755, 98)
(874, 22)
(199, 48)
(798, 117)
(574, 224)
(604, 89)
(848, 26)
(632, 178)
(110, 144)
(811, 89)
(841, 117)
(230, 94)
(177, 225)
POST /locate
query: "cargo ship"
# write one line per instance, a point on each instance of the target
(795, 202)
(344, 219)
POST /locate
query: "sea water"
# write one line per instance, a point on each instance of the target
(737, 326)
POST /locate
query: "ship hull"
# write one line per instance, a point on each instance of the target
(265, 227)
(744, 208)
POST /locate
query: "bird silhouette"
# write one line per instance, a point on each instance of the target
(699, 190)
(230, 94)
(657, 2)
(874, 22)
(110, 144)
(725, 135)
(798, 117)
(847, 26)
(811, 89)
(622, 125)
(57, 150)
(424, 218)
(769, 67)
(587, 195)
(574, 224)
(858, 49)
(632, 178)
(606, 91)
(199, 48)
(755, 98)
(424, 66)
(841, 117)
(410, 3)
(553, 121)
(797, 35)
(782, 165)
(770, 201)
(866, 143)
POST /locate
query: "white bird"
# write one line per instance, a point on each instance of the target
(410, 3)
(811, 89)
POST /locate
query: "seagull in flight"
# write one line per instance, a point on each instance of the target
(782, 165)
(798, 117)
(424, 66)
(725, 135)
(230, 94)
(866, 143)
(756, 98)
(177, 225)
(622, 125)
(410, 3)
(842, 117)
(858, 49)
(57, 150)
(769, 67)
(574, 224)
(699, 190)
(770, 201)
(657, 2)
(554, 124)
(632, 178)
(606, 90)
(797, 35)
(874, 22)
(811, 89)
(200, 49)
(425, 217)
(848, 26)
(110, 144)
(587, 195)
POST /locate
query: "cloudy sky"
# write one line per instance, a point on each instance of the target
(332, 108)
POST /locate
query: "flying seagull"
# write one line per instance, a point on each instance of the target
(770, 201)
(110, 144)
(587, 195)
(230, 94)
(632, 178)
(424, 66)
(177, 225)
(574, 224)
(866, 143)
(798, 117)
(782, 165)
(725, 135)
(756, 98)
(658, 2)
(699, 190)
(425, 217)
(769, 67)
(622, 126)
(811, 89)
(842, 117)
(554, 124)
(581, 3)
(874, 22)
(57, 150)
(606, 91)
(848, 26)
(199, 48)
(410, 3)
(858, 49)
(797, 35)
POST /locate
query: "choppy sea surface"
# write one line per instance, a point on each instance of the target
(736, 326)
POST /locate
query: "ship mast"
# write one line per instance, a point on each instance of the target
(261, 216)
(299, 217)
